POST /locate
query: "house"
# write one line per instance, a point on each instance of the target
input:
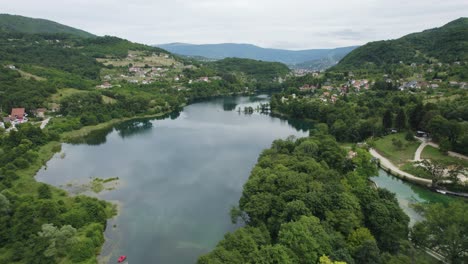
(453, 83)
(307, 87)
(54, 107)
(105, 85)
(40, 112)
(134, 69)
(410, 85)
(17, 113)
(434, 85)
(351, 154)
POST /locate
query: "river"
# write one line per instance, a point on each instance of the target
(180, 175)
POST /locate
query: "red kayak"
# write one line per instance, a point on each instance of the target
(122, 259)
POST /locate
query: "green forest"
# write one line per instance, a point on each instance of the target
(305, 199)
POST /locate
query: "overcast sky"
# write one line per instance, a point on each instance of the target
(292, 24)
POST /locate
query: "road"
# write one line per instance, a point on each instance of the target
(389, 165)
(45, 122)
(432, 144)
(417, 154)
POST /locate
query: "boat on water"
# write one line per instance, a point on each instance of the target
(121, 259)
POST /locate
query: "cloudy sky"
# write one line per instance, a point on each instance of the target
(292, 24)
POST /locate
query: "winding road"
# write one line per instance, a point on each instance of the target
(384, 162)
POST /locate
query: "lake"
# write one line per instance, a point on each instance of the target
(180, 175)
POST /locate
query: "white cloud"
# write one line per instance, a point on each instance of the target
(292, 24)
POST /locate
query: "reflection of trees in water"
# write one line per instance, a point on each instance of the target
(94, 138)
(134, 127)
(229, 103)
(124, 129)
(298, 124)
(174, 115)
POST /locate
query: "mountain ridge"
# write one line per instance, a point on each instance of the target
(250, 51)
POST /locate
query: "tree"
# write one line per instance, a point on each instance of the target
(44, 192)
(60, 239)
(439, 171)
(387, 119)
(325, 260)
(269, 254)
(444, 230)
(306, 238)
(416, 116)
(400, 119)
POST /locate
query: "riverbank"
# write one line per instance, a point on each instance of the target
(389, 167)
(84, 131)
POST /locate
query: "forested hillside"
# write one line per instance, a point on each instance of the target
(15, 23)
(446, 44)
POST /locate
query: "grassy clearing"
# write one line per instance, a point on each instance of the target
(61, 93)
(108, 100)
(397, 156)
(28, 75)
(416, 170)
(432, 153)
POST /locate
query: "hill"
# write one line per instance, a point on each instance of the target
(448, 43)
(248, 51)
(15, 23)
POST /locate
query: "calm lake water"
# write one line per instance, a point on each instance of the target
(179, 176)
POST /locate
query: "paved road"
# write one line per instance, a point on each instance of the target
(389, 165)
(45, 122)
(417, 154)
(432, 144)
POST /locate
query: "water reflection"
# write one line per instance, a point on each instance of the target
(229, 104)
(134, 127)
(178, 177)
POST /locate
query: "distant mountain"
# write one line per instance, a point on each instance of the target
(21, 24)
(448, 43)
(249, 51)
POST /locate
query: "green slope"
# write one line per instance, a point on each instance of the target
(15, 23)
(448, 43)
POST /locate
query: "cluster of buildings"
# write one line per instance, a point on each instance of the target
(19, 116)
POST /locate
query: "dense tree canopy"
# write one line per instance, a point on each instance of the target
(304, 200)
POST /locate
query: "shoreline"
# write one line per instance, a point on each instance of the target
(86, 130)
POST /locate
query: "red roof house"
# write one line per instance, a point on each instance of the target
(17, 113)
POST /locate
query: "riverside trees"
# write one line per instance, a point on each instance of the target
(305, 199)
